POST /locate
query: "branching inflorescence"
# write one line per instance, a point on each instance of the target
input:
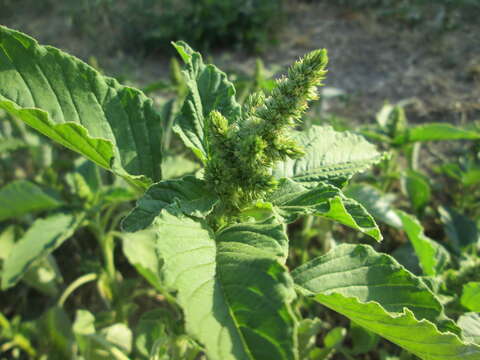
(242, 153)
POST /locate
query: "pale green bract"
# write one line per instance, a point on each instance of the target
(65, 99)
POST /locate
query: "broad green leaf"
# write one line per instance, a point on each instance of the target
(329, 155)
(21, 197)
(234, 317)
(471, 296)
(359, 271)
(294, 199)
(378, 204)
(460, 230)
(416, 186)
(140, 250)
(67, 100)
(190, 193)
(470, 325)
(434, 132)
(209, 89)
(432, 256)
(44, 236)
(420, 337)
(381, 296)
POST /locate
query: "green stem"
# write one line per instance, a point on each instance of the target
(107, 215)
(116, 220)
(108, 247)
(75, 285)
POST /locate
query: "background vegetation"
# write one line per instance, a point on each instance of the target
(395, 66)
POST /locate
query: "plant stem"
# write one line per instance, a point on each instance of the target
(75, 285)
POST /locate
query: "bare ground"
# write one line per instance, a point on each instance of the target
(371, 61)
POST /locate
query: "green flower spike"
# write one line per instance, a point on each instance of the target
(242, 153)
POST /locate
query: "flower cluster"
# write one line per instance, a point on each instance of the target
(243, 153)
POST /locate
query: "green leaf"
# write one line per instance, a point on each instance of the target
(44, 236)
(56, 333)
(381, 296)
(11, 144)
(139, 249)
(416, 186)
(363, 340)
(433, 257)
(460, 230)
(329, 155)
(119, 335)
(174, 167)
(470, 325)
(392, 119)
(334, 337)
(90, 173)
(7, 242)
(150, 329)
(375, 202)
(65, 99)
(359, 271)
(435, 132)
(294, 199)
(308, 329)
(95, 346)
(108, 344)
(209, 89)
(44, 276)
(471, 296)
(234, 317)
(190, 193)
(22, 197)
(420, 337)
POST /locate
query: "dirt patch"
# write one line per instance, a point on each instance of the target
(374, 62)
(371, 61)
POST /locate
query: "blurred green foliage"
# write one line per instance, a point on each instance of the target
(150, 25)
